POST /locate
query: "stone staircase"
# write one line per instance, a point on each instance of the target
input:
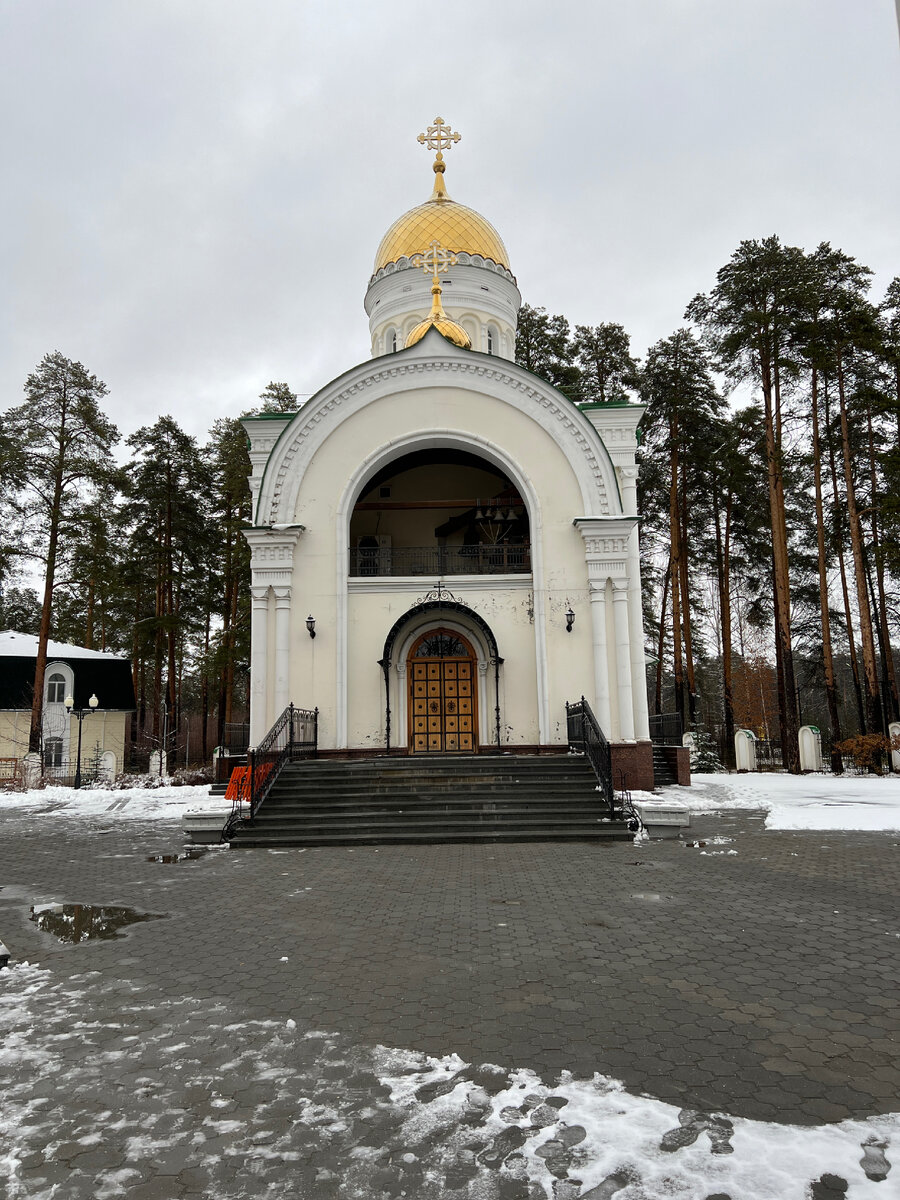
(381, 800)
(663, 774)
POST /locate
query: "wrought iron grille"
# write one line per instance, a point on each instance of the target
(293, 736)
(586, 737)
(440, 561)
(237, 737)
(666, 729)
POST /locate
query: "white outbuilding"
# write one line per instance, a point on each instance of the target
(444, 546)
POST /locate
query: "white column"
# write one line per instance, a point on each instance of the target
(601, 654)
(259, 651)
(282, 649)
(623, 660)
(606, 542)
(271, 566)
(628, 476)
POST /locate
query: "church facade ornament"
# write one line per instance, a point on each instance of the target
(277, 488)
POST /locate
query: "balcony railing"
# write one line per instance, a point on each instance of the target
(439, 561)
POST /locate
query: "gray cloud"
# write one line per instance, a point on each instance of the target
(194, 193)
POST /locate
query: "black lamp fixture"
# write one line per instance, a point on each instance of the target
(311, 625)
(79, 714)
(570, 619)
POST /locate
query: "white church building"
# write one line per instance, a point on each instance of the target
(444, 547)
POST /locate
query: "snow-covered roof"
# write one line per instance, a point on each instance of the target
(25, 645)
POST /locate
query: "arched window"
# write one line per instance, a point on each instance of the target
(53, 754)
(56, 689)
(390, 341)
(492, 340)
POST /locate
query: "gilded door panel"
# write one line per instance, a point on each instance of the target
(441, 672)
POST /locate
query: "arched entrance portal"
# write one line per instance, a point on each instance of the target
(440, 613)
(442, 693)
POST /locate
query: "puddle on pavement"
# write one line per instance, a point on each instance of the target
(73, 923)
(185, 856)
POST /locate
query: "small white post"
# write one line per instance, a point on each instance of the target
(745, 750)
(810, 748)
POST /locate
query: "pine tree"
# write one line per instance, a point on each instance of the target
(276, 398)
(170, 547)
(682, 411)
(608, 370)
(748, 318)
(66, 443)
(543, 346)
(229, 465)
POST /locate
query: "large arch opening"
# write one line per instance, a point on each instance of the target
(439, 511)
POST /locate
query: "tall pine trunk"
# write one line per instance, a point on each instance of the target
(837, 764)
(661, 646)
(723, 581)
(870, 669)
(892, 701)
(675, 570)
(838, 538)
(686, 603)
(787, 690)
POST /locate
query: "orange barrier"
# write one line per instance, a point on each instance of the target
(238, 790)
(239, 785)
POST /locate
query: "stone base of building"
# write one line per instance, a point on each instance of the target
(632, 766)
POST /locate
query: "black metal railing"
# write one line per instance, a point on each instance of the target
(237, 737)
(294, 736)
(587, 738)
(666, 729)
(439, 561)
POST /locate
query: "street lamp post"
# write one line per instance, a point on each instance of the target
(79, 714)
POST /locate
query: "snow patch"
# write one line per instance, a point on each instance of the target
(822, 802)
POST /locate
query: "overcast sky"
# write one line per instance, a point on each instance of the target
(194, 190)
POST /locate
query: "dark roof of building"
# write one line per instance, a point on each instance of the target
(107, 678)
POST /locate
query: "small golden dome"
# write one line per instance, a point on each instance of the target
(439, 320)
(459, 229)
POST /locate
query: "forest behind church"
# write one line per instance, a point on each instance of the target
(769, 501)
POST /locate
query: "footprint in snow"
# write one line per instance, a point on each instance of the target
(691, 1124)
(874, 1161)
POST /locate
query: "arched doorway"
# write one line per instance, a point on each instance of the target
(441, 682)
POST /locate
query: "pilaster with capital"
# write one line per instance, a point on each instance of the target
(607, 542)
(271, 577)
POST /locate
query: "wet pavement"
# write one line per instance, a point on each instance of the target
(755, 977)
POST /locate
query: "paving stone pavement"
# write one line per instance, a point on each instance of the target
(761, 983)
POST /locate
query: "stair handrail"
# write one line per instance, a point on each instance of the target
(295, 735)
(586, 737)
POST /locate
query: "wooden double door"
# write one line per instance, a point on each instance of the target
(441, 677)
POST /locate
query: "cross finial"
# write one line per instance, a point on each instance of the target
(434, 260)
(439, 136)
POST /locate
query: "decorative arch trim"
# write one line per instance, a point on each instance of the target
(439, 609)
(428, 364)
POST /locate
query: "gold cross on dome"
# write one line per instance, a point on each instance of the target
(439, 136)
(434, 259)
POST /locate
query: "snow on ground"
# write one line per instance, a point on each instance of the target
(133, 1084)
(161, 803)
(825, 802)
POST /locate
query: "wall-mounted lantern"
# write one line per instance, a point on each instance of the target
(570, 620)
(311, 625)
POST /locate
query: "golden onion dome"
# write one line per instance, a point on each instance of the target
(459, 229)
(438, 319)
